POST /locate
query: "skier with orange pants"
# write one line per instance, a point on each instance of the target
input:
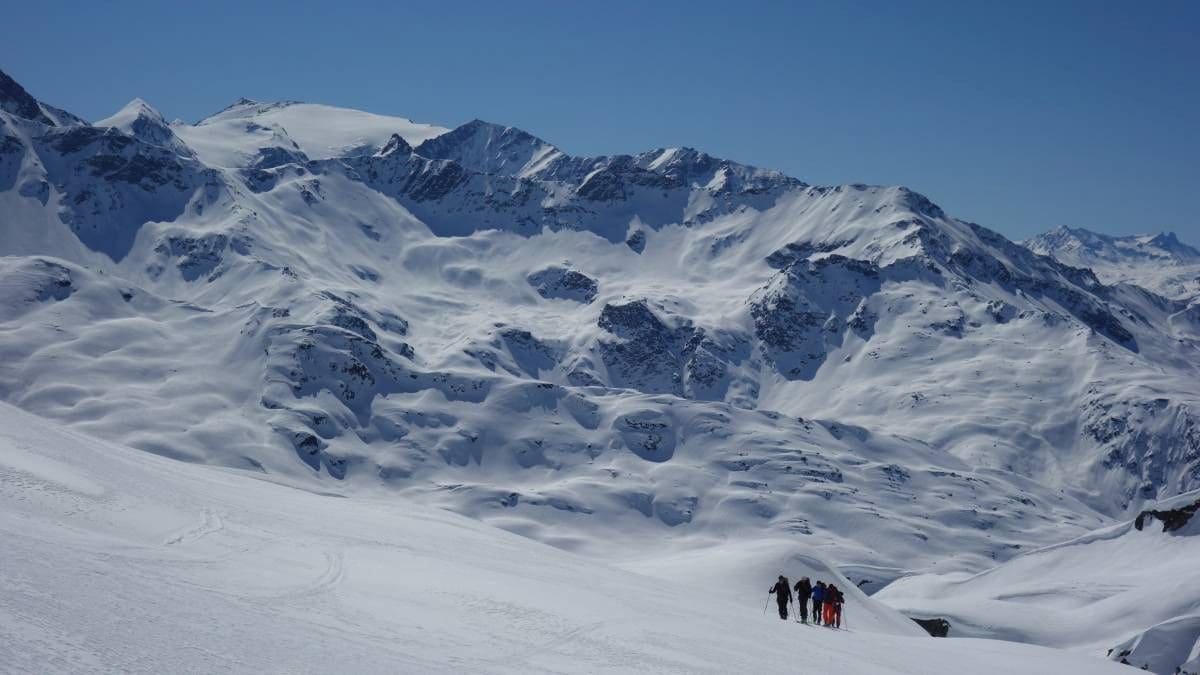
(833, 606)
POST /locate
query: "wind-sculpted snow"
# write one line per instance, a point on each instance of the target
(1127, 591)
(662, 347)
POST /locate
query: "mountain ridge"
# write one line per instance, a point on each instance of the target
(1158, 262)
(650, 348)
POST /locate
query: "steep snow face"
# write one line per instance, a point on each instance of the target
(233, 136)
(195, 570)
(1159, 262)
(1129, 591)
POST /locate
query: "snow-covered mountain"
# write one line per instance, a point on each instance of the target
(638, 357)
(1158, 262)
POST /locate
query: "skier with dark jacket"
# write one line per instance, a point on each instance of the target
(833, 606)
(804, 591)
(818, 598)
(783, 595)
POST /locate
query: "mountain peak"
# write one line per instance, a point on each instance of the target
(15, 100)
(1163, 244)
(395, 145)
(142, 121)
(1159, 262)
(1168, 241)
(491, 148)
(135, 109)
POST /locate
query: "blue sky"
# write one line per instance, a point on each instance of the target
(1017, 115)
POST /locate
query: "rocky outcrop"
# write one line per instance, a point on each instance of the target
(1171, 519)
(642, 352)
(563, 283)
(808, 307)
(935, 627)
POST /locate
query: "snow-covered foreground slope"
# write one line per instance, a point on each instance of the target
(1158, 262)
(1131, 591)
(116, 561)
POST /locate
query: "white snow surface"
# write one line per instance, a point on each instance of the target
(117, 561)
(1120, 591)
(319, 131)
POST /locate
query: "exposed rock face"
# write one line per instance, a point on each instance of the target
(636, 241)
(564, 283)
(643, 353)
(14, 99)
(1171, 519)
(935, 627)
(112, 184)
(804, 311)
(194, 257)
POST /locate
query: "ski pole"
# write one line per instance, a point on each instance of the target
(766, 604)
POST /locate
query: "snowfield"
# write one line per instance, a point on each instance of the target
(664, 365)
(1125, 590)
(118, 561)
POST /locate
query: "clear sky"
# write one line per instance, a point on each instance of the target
(1017, 115)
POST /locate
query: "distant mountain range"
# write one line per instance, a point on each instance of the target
(1158, 262)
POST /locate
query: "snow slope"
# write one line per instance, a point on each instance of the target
(159, 566)
(318, 131)
(1158, 262)
(1129, 590)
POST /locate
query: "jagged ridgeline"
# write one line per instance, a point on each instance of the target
(562, 345)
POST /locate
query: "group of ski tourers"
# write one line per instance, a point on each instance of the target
(826, 601)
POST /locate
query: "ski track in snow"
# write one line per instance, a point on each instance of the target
(212, 523)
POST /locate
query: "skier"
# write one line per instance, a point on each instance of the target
(804, 591)
(818, 597)
(783, 595)
(838, 599)
(832, 602)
